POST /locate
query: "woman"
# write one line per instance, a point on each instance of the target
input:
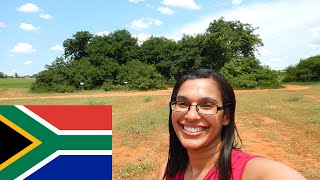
(203, 133)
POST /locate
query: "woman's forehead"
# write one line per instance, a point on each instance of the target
(200, 88)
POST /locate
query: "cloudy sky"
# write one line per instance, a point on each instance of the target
(32, 32)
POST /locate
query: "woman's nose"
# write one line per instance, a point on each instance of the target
(192, 114)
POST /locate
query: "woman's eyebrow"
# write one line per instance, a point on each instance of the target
(202, 99)
(181, 97)
(209, 99)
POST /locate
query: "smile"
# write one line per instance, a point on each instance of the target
(192, 129)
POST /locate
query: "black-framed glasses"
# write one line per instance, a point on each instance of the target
(205, 108)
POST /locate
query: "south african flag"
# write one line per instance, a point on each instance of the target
(55, 142)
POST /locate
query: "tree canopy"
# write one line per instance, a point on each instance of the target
(100, 61)
(306, 70)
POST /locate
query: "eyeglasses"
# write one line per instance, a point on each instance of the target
(206, 108)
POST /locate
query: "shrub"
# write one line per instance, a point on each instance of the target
(140, 76)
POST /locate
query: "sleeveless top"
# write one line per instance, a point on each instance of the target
(239, 160)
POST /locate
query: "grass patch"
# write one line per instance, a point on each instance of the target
(16, 82)
(293, 98)
(134, 170)
(92, 101)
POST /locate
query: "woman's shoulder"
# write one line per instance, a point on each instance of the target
(264, 168)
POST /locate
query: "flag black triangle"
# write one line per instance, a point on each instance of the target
(11, 142)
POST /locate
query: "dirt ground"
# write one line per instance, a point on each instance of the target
(255, 143)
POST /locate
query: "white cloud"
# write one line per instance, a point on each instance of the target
(236, 2)
(142, 37)
(284, 27)
(144, 23)
(135, 1)
(165, 10)
(156, 22)
(149, 6)
(103, 33)
(56, 48)
(28, 8)
(27, 62)
(315, 31)
(188, 4)
(2, 25)
(23, 48)
(45, 16)
(13, 70)
(28, 27)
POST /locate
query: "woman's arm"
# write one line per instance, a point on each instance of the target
(267, 169)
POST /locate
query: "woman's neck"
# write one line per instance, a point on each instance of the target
(202, 160)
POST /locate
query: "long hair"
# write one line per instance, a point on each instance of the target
(178, 157)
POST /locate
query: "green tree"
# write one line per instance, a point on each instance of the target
(306, 70)
(119, 45)
(160, 52)
(140, 76)
(225, 40)
(188, 55)
(56, 77)
(247, 73)
(75, 48)
(2, 75)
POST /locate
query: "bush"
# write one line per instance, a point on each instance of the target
(306, 70)
(140, 76)
(109, 86)
(247, 73)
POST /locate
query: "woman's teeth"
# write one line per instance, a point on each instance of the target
(192, 129)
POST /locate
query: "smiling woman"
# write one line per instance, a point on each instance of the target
(204, 138)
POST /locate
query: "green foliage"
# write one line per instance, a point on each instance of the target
(109, 86)
(160, 52)
(225, 40)
(2, 75)
(109, 61)
(75, 48)
(247, 73)
(306, 70)
(140, 76)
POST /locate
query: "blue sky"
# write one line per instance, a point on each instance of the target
(32, 32)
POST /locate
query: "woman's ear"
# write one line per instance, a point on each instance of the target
(226, 118)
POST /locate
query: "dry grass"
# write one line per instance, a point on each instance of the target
(286, 122)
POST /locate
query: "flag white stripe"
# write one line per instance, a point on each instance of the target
(58, 131)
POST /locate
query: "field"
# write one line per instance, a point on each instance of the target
(16, 82)
(281, 124)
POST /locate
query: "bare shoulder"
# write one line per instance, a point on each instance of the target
(263, 168)
(162, 169)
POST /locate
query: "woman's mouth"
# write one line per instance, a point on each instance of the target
(193, 129)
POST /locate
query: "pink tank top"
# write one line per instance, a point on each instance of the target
(239, 160)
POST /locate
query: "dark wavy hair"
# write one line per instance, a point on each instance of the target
(178, 157)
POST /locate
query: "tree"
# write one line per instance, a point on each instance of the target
(306, 70)
(247, 73)
(75, 48)
(160, 52)
(188, 54)
(225, 40)
(119, 45)
(140, 76)
(2, 75)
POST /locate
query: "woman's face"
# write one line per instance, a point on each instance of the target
(194, 130)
